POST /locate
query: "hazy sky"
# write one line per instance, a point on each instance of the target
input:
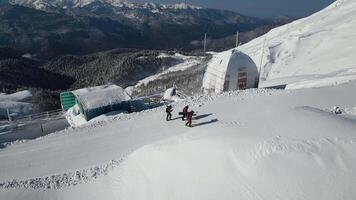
(260, 8)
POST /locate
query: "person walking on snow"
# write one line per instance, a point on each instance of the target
(169, 110)
(190, 118)
(185, 112)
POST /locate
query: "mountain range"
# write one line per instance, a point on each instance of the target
(48, 46)
(48, 28)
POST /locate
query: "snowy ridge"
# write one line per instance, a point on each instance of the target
(45, 4)
(49, 4)
(316, 51)
(183, 6)
(63, 180)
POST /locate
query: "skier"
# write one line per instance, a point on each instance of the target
(184, 113)
(169, 110)
(190, 118)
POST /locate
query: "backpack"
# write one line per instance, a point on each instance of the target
(169, 109)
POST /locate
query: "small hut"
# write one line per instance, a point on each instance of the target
(96, 101)
(230, 70)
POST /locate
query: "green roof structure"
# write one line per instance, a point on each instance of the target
(99, 100)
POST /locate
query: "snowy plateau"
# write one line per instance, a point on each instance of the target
(257, 144)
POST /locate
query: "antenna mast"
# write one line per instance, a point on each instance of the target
(205, 43)
(237, 39)
(263, 48)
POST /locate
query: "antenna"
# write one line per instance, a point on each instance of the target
(237, 39)
(205, 43)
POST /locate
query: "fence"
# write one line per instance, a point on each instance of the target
(37, 116)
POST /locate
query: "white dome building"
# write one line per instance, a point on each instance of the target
(230, 70)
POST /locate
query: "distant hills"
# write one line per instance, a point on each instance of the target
(48, 28)
(48, 46)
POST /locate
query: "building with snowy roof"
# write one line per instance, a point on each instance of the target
(230, 70)
(99, 100)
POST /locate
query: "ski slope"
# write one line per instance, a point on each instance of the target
(257, 144)
(183, 63)
(253, 144)
(315, 51)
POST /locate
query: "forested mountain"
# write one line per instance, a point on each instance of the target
(49, 28)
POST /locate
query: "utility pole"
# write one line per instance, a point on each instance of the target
(205, 43)
(8, 115)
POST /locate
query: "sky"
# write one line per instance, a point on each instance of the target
(259, 8)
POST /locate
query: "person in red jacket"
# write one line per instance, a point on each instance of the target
(185, 112)
(190, 118)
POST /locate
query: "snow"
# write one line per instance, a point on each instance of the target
(74, 117)
(120, 3)
(18, 96)
(17, 103)
(48, 4)
(96, 97)
(253, 144)
(319, 50)
(183, 6)
(172, 94)
(184, 63)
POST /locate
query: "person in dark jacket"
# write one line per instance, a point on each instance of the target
(185, 112)
(169, 110)
(190, 118)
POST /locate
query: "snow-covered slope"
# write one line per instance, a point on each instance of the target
(315, 51)
(254, 144)
(18, 96)
(251, 145)
(182, 63)
(17, 103)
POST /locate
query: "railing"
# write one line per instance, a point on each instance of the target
(36, 116)
(16, 122)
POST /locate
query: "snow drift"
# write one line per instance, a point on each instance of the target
(312, 52)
